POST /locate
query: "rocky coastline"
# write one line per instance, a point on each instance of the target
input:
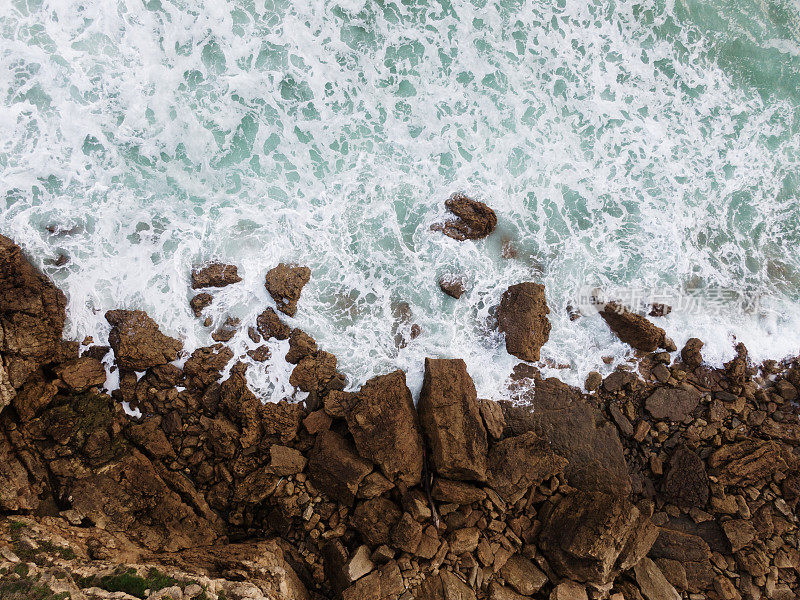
(678, 480)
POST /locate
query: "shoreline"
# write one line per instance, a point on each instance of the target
(673, 481)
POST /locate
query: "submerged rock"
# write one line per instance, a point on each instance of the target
(474, 220)
(452, 285)
(523, 319)
(215, 275)
(284, 283)
(137, 341)
(633, 329)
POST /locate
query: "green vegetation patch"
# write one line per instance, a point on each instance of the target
(129, 581)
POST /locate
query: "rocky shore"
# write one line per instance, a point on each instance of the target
(676, 480)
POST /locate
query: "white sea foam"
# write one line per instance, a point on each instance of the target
(616, 144)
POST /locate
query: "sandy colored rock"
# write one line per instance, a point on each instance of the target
(652, 582)
(215, 275)
(285, 283)
(385, 427)
(522, 317)
(522, 575)
(569, 590)
(456, 492)
(635, 330)
(450, 418)
(444, 586)
(137, 341)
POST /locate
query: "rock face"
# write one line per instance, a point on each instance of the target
(284, 283)
(385, 427)
(137, 342)
(474, 220)
(523, 319)
(32, 314)
(633, 329)
(451, 421)
(215, 275)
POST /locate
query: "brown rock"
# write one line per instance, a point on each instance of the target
(659, 310)
(269, 325)
(652, 582)
(317, 375)
(444, 586)
(300, 345)
(17, 492)
(517, 463)
(374, 519)
(200, 302)
(383, 583)
(385, 427)
(284, 283)
(493, 418)
(748, 461)
(686, 483)
(674, 404)
(569, 590)
(137, 342)
(81, 373)
(205, 365)
(456, 492)
(474, 220)
(523, 319)
(317, 421)
(32, 314)
(675, 573)
(522, 575)
(464, 540)
(406, 534)
(691, 551)
(633, 329)
(500, 592)
(35, 395)
(260, 353)
(335, 468)
(449, 415)
(285, 461)
(215, 275)
(374, 485)
(690, 354)
(452, 285)
(740, 533)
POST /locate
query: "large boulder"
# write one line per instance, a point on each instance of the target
(523, 319)
(686, 482)
(474, 220)
(335, 468)
(385, 427)
(633, 329)
(575, 430)
(215, 275)
(284, 283)
(137, 342)
(451, 420)
(517, 463)
(673, 404)
(269, 325)
(32, 314)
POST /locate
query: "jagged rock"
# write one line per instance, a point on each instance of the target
(80, 374)
(692, 552)
(652, 582)
(32, 315)
(690, 354)
(674, 404)
(675, 573)
(452, 285)
(383, 583)
(456, 492)
(285, 461)
(748, 461)
(444, 586)
(523, 319)
(35, 395)
(300, 345)
(335, 468)
(451, 421)
(406, 534)
(633, 329)
(282, 420)
(269, 325)
(522, 575)
(788, 432)
(500, 592)
(137, 342)
(569, 590)
(493, 418)
(385, 427)
(575, 430)
(317, 375)
(686, 483)
(239, 404)
(740, 533)
(359, 564)
(374, 519)
(474, 220)
(517, 463)
(215, 275)
(464, 540)
(284, 283)
(205, 365)
(260, 354)
(17, 492)
(589, 536)
(200, 302)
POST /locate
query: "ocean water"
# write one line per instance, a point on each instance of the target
(624, 145)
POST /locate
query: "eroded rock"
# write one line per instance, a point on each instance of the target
(215, 275)
(635, 330)
(523, 319)
(137, 342)
(285, 283)
(474, 220)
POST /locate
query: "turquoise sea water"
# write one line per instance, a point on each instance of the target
(637, 143)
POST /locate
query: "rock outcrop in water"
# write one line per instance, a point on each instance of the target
(215, 275)
(678, 481)
(522, 317)
(284, 283)
(474, 220)
(634, 329)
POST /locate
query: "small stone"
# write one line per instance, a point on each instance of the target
(569, 590)
(464, 540)
(523, 575)
(593, 381)
(359, 564)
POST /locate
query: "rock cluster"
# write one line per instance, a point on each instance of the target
(679, 481)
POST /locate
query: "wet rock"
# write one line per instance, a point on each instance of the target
(451, 421)
(335, 468)
(523, 319)
(690, 354)
(301, 345)
(575, 430)
(686, 483)
(284, 283)
(317, 375)
(474, 220)
(80, 374)
(32, 315)
(374, 519)
(674, 404)
(493, 418)
(593, 381)
(652, 582)
(269, 325)
(200, 302)
(658, 309)
(215, 275)
(205, 366)
(452, 285)
(517, 463)
(260, 353)
(635, 330)
(522, 575)
(137, 341)
(385, 427)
